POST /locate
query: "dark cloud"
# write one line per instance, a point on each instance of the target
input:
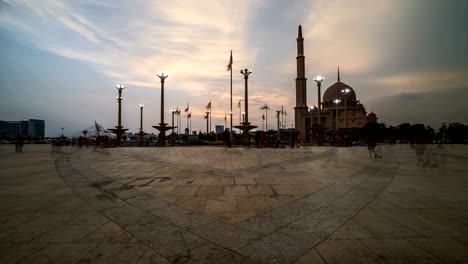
(426, 35)
(430, 108)
(409, 97)
(3, 5)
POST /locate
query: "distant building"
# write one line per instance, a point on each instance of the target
(9, 129)
(33, 128)
(219, 129)
(36, 128)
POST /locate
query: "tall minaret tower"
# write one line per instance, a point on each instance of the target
(301, 83)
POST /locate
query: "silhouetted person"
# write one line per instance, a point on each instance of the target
(370, 130)
(17, 140)
(20, 144)
(418, 132)
(293, 138)
(257, 138)
(227, 138)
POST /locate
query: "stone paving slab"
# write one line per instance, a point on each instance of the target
(183, 205)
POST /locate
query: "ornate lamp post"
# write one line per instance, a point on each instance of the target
(245, 126)
(278, 112)
(246, 72)
(319, 79)
(336, 101)
(162, 127)
(346, 91)
(119, 130)
(141, 134)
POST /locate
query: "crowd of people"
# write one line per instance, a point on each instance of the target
(99, 143)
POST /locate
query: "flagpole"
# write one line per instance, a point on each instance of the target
(231, 94)
(210, 116)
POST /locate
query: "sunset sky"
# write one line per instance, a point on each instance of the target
(406, 60)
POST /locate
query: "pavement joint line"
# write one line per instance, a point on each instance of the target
(124, 200)
(142, 241)
(281, 227)
(388, 188)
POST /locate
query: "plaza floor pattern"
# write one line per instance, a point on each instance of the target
(239, 205)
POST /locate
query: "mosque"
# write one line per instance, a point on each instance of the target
(340, 111)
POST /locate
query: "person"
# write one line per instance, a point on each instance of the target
(293, 138)
(419, 144)
(257, 138)
(17, 143)
(20, 143)
(227, 138)
(371, 138)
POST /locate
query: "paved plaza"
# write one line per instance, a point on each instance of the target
(219, 205)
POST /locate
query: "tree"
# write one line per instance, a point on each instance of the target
(456, 132)
(403, 132)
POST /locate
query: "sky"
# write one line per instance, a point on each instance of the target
(61, 60)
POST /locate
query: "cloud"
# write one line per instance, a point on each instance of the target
(423, 81)
(430, 107)
(384, 48)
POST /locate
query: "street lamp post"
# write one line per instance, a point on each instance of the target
(141, 116)
(278, 112)
(346, 92)
(246, 72)
(62, 130)
(245, 125)
(120, 87)
(119, 130)
(162, 127)
(163, 77)
(336, 101)
(141, 124)
(319, 79)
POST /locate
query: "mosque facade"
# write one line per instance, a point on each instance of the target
(340, 111)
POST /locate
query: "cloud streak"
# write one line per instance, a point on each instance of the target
(128, 42)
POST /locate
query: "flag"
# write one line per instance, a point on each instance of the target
(225, 118)
(208, 106)
(187, 109)
(189, 115)
(229, 66)
(265, 107)
(263, 117)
